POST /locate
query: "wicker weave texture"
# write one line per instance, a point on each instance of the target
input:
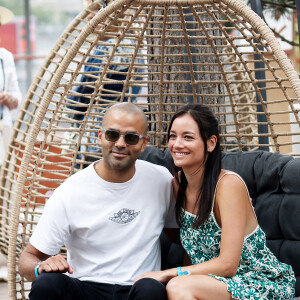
(175, 52)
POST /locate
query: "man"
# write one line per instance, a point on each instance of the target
(110, 216)
(10, 95)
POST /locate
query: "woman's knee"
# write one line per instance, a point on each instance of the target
(176, 289)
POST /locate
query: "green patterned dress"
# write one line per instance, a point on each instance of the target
(260, 274)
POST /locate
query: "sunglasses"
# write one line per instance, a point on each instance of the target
(113, 135)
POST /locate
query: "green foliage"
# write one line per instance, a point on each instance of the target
(16, 6)
(44, 15)
(278, 8)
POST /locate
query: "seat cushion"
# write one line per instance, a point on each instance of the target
(273, 181)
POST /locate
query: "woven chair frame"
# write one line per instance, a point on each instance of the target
(175, 52)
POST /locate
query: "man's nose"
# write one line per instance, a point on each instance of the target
(120, 143)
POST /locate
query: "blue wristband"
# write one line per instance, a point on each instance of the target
(179, 273)
(36, 269)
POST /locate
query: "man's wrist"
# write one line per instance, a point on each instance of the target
(36, 269)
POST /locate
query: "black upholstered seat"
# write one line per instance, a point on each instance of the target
(273, 181)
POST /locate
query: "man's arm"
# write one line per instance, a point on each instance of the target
(30, 257)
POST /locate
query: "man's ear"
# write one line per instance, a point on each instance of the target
(211, 143)
(100, 132)
(145, 142)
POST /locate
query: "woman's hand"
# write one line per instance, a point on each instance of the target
(161, 276)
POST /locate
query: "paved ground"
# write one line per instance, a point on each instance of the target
(3, 274)
(3, 291)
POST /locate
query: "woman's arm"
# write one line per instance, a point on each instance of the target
(231, 213)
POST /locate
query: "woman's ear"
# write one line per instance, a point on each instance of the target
(211, 143)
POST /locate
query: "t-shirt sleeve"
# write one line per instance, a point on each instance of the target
(53, 228)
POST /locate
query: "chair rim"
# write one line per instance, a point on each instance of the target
(256, 22)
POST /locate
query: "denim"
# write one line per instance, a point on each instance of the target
(57, 286)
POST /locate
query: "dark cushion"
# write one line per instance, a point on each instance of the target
(273, 181)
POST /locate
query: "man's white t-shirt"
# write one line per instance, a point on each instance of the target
(111, 230)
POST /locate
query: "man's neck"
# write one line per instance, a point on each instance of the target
(113, 175)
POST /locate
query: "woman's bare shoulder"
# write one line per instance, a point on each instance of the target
(231, 184)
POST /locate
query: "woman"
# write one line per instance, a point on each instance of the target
(218, 226)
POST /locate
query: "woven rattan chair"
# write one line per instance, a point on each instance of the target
(191, 51)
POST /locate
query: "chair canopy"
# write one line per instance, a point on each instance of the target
(174, 52)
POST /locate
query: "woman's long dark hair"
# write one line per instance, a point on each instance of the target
(208, 125)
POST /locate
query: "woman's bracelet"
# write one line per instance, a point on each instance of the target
(179, 273)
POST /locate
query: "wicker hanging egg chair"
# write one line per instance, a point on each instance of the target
(173, 52)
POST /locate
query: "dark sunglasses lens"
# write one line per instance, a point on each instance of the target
(131, 138)
(112, 135)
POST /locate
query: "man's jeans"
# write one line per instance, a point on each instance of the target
(56, 286)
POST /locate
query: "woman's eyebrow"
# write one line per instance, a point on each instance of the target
(185, 132)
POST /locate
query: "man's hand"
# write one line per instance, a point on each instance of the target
(8, 100)
(30, 257)
(55, 263)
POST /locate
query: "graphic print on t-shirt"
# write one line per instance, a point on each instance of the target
(124, 216)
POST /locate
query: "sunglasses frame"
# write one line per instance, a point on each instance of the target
(140, 136)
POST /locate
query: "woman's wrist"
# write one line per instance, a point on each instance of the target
(171, 273)
(181, 272)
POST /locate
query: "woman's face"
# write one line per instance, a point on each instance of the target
(185, 143)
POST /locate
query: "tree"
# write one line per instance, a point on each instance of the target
(16, 6)
(278, 9)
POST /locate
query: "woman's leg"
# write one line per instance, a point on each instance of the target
(197, 287)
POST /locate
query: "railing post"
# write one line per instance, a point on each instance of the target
(28, 43)
(298, 17)
(260, 75)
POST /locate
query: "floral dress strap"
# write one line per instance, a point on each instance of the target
(237, 175)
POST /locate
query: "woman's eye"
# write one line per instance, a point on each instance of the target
(172, 136)
(188, 137)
